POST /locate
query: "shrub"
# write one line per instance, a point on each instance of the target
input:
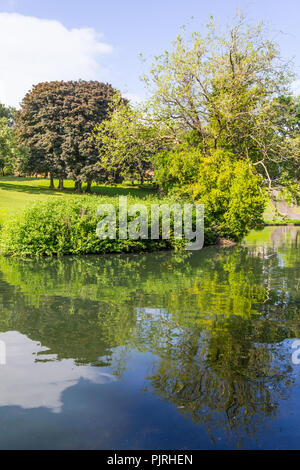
(229, 187)
(232, 193)
(61, 227)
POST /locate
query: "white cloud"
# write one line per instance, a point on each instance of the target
(33, 50)
(28, 383)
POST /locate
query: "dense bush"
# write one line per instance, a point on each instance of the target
(176, 170)
(232, 193)
(60, 227)
(230, 188)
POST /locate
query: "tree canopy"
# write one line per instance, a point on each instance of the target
(229, 88)
(56, 122)
(128, 141)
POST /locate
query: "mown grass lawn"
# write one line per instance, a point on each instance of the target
(17, 193)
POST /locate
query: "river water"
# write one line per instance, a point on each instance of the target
(153, 351)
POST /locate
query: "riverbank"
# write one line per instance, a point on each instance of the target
(39, 221)
(272, 217)
(66, 223)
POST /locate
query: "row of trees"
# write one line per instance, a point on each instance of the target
(227, 91)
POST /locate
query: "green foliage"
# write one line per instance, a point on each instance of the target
(226, 126)
(7, 112)
(220, 127)
(230, 189)
(56, 121)
(231, 192)
(225, 87)
(6, 144)
(178, 168)
(286, 168)
(128, 140)
(10, 151)
(61, 227)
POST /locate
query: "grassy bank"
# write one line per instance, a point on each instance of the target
(37, 221)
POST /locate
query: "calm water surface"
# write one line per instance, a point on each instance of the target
(153, 351)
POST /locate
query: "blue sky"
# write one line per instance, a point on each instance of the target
(108, 36)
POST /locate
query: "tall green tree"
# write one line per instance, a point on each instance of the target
(56, 121)
(222, 86)
(7, 112)
(128, 140)
(10, 151)
(286, 172)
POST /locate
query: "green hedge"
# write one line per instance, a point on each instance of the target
(62, 227)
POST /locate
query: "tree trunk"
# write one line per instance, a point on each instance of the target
(61, 183)
(88, 188)
(51, 182)
(78, 186)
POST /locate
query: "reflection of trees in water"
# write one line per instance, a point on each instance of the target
(84, 330)
(228, 371)
(280, 264)
(222, 381)
(283, 234)
(227, 374)
(214, 318)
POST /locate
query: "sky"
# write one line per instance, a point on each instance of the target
(43, 40)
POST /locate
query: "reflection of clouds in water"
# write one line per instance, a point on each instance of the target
(32, 381)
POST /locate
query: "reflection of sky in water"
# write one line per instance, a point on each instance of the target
(153, 313)
(32, 378)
